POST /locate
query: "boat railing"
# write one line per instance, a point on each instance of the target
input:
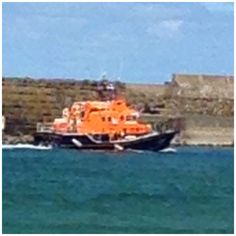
(44, 127)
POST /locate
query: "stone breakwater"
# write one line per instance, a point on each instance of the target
(15, 139)
(203, 103)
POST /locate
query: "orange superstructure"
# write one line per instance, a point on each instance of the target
(112, 117)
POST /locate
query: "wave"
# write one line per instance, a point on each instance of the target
(169, 150)
(25, 146)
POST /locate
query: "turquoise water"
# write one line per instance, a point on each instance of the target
(61, 191)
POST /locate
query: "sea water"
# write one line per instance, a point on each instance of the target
(71, 191)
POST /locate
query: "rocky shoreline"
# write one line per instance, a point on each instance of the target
(23, 139)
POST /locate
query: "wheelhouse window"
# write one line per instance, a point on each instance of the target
(131, 118)
(82, 114)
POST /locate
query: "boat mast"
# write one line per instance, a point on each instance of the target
(106, 90)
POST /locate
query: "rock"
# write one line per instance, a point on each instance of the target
(9, 139)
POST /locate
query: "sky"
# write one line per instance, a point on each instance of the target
(130, 42)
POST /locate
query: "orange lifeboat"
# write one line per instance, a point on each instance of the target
(108, 123)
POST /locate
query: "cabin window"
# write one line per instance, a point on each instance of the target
(109, 118)
(82, 114)
(94, 110)
(130, 118)
(122, 118)
(103, 119)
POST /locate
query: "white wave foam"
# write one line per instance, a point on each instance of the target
(136, 151)
(25, 146)
(169, 150)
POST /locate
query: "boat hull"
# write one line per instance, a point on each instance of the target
(152, 142)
